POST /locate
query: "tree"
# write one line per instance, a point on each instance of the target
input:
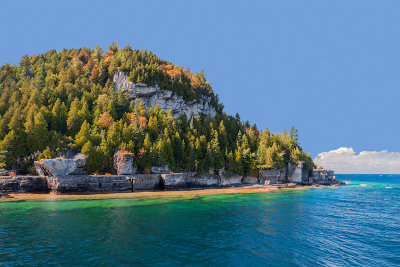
(74, 121)
(105, 120)
(59, 117)
(47, 154)
(214, 153)
(39, 137)
(293, 134)
(49, 100)
(83, 136)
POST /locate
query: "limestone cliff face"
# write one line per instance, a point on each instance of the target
(166, 100)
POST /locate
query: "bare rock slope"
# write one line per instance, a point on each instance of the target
(166, 100)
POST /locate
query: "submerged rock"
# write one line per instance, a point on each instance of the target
(123, 163)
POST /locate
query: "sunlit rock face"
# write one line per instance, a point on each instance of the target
(123, 163)
(60, 166)
(166, 100)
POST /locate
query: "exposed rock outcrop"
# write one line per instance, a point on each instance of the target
(249, 180)
(175, 180)
(23, 184)
(60, 166)
(272, 176)
(189, 180)
(322, 177)
(61, 183)
(123, 163)
(166, 100)
(230, 180)
(147, 182)
(295, 172)
(4, 172)
(89, 183)
(160, 169)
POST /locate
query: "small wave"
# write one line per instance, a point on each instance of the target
(363, 184)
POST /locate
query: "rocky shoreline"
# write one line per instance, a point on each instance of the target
(155, 182)
(67, 175)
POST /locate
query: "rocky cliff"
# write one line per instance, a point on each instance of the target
(23, 184)
(166, 100)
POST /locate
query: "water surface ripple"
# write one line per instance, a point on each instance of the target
(356, 224)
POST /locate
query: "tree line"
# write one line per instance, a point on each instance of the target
(66, 99)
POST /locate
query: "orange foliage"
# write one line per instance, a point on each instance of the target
(142, 152)
(105, 120)
(141, 121)
(173, 71)
(108, 56)
(95, 73)
(12, 174)
(83, 57)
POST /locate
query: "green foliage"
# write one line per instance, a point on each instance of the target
(67, 99)
(3, 159)
(47, 154)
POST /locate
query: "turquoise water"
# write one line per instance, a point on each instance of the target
(356, 224)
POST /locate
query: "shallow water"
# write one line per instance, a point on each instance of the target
(336, 226)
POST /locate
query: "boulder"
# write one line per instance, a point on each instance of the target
(54, 167)
(80, 160)
(160, 169)
(123, 163)
(61, 166)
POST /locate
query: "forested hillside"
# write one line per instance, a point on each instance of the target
(66, 99)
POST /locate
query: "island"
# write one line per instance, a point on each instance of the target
(85, 120)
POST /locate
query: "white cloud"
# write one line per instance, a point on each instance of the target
(345, 160)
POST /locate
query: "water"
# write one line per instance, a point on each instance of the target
(356, 224)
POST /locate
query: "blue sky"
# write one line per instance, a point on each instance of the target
(330, 68)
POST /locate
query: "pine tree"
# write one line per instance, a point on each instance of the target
(214, 153)
(74, 122)
(293, 134)
(59, 117)
(40, 134)
(83, 136)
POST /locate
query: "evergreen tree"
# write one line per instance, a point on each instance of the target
(59, 117)
(74, 121)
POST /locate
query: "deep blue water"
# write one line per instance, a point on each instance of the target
(356, 224)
